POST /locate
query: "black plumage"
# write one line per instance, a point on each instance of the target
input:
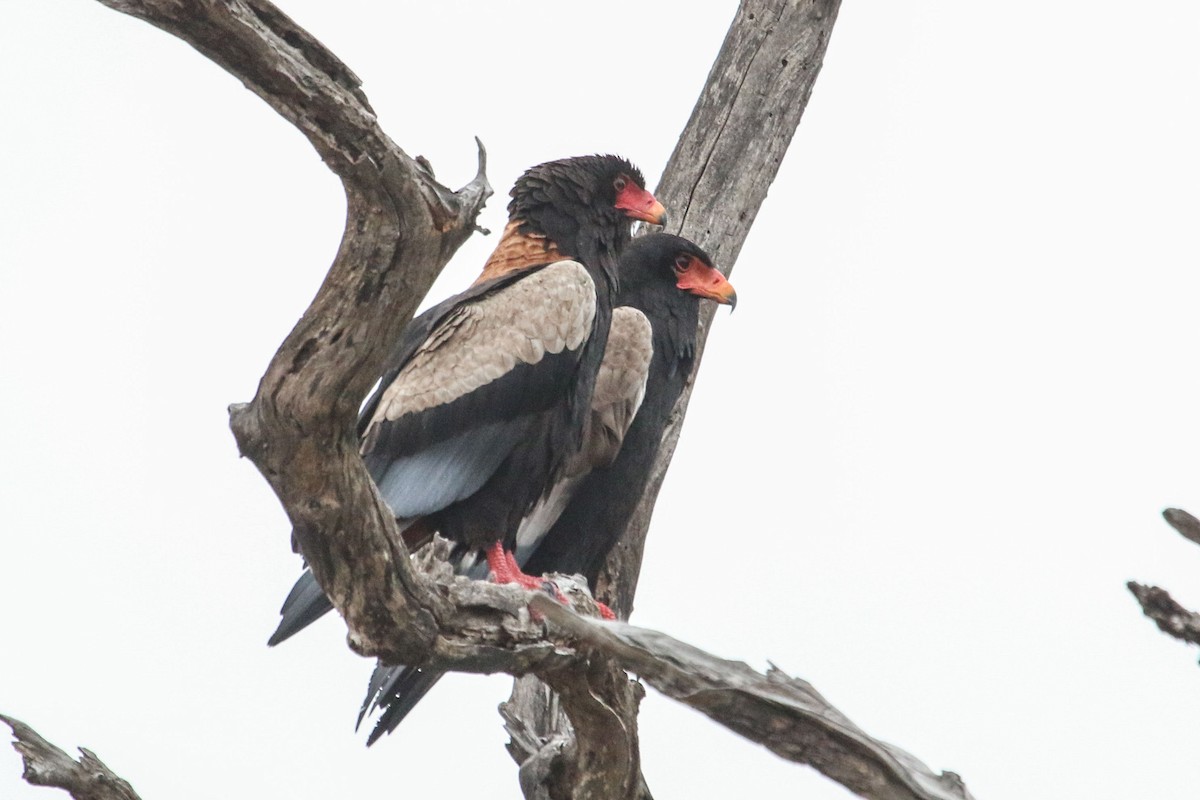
(603, 504)
(488, 393)
(663, 277)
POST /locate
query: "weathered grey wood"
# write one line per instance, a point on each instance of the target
(785, 714)
(1187, 525)
(716, 181)
(401, 228)
(581, 658)
(573, 731)
(1168, 615)
(46, 765)
(1157, 604)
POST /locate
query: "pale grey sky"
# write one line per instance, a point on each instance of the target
(959, 387)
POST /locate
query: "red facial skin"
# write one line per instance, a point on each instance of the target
(637, 203)
(693, 275)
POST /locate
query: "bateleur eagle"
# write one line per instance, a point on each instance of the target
(603, 503)
(487, 397)
(649, 355)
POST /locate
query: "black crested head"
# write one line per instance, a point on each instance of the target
(579, 183)
(584, 205)
(672, 269)
(650, 259)
(665, 277)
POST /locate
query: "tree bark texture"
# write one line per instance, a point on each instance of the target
(714, 184)
(1157, 604)
(46, 765)
(1187, 525)
(401, 228)
(716, 180)
(785, 714)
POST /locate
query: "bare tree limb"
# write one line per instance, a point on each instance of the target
(46, 765)
(786, 714)
(401, 228)
(1168, 615)
(718, 177)
(1187, 525)
(715, 182)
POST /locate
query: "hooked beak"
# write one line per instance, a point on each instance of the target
(655, 214)
(705, 281)
(637, 203)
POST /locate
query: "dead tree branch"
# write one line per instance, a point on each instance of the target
(401, 228)
(45, 765)
(1170, 617)
(718, 177)
(1187, 525)
(786, 714)
(715, 181)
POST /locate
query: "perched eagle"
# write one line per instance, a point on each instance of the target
(649, 355)
(487, 399)
(604, 501)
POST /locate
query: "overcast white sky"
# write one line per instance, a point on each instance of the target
(959, 387)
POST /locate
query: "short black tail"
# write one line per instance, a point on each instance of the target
(396, 690)
(305, 604)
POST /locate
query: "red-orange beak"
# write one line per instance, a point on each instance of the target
(701, 279)
(637, 203)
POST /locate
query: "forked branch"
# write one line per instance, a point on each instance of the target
(401, 228)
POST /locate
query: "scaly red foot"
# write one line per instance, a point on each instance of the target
(505, 570)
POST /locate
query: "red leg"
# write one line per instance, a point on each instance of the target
(505, 570)
(499, 564)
